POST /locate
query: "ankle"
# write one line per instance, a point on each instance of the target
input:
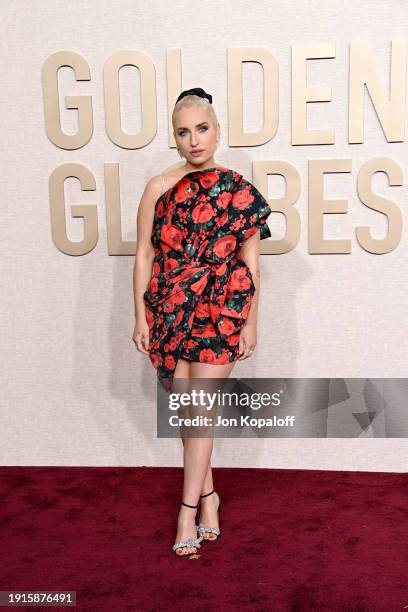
(207, 493)
(209, 498)
(187, 515)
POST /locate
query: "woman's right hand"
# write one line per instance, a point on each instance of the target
(141, 337)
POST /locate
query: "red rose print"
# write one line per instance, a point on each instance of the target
(207, 331)
(228, 326)
(202, 213)
(239, 280)
(168, 306)
(169, 362)
(188, 299)
(224, 199)
(160, 209)
(170, 264)
(221, 269)
(208, 179)
(181, 194)
(178, 297)
(250, 231)
(230, 311)
(242, 198)
(153, 285)
(223, 358)
(202, 310)
(174, 300)
(199, 285)
(246, 307)
(233, 340)
(207, 356)
(224, 219)
(191, 343)
(215, 309)
(179, 318)
(172, 235)
(149, 316)
(225, 245)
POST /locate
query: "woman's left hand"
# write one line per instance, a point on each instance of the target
(247, 340)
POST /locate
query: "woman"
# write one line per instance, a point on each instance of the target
(196, 285)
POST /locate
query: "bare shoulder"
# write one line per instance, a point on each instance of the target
(167, 179)
(153, 185)
(160, 182)
(151, 193)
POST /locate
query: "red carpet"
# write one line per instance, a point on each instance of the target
(291, 540)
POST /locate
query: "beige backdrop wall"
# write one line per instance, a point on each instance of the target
(74, 389)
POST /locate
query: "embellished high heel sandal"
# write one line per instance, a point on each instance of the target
(188, 543)
(202, 529)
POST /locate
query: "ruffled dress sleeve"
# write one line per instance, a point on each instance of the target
(251, 210)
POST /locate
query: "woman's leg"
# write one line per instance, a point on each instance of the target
(197, 463)
(196, 455)
(208, 509)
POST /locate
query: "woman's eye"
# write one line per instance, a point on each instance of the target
(203, 127)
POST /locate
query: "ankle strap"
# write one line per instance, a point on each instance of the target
(188, 505)
(207, 493)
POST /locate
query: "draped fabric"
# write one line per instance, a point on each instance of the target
(199, 226)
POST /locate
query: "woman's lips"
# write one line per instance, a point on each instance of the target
(195, 153)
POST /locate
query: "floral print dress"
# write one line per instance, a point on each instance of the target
(201, 289)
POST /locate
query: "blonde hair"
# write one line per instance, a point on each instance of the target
(193, 100)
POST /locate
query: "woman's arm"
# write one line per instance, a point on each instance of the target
(249, 252)
(144, 256)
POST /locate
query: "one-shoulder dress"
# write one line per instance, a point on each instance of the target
(201, 289)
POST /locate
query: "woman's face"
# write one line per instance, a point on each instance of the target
(195, 134)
